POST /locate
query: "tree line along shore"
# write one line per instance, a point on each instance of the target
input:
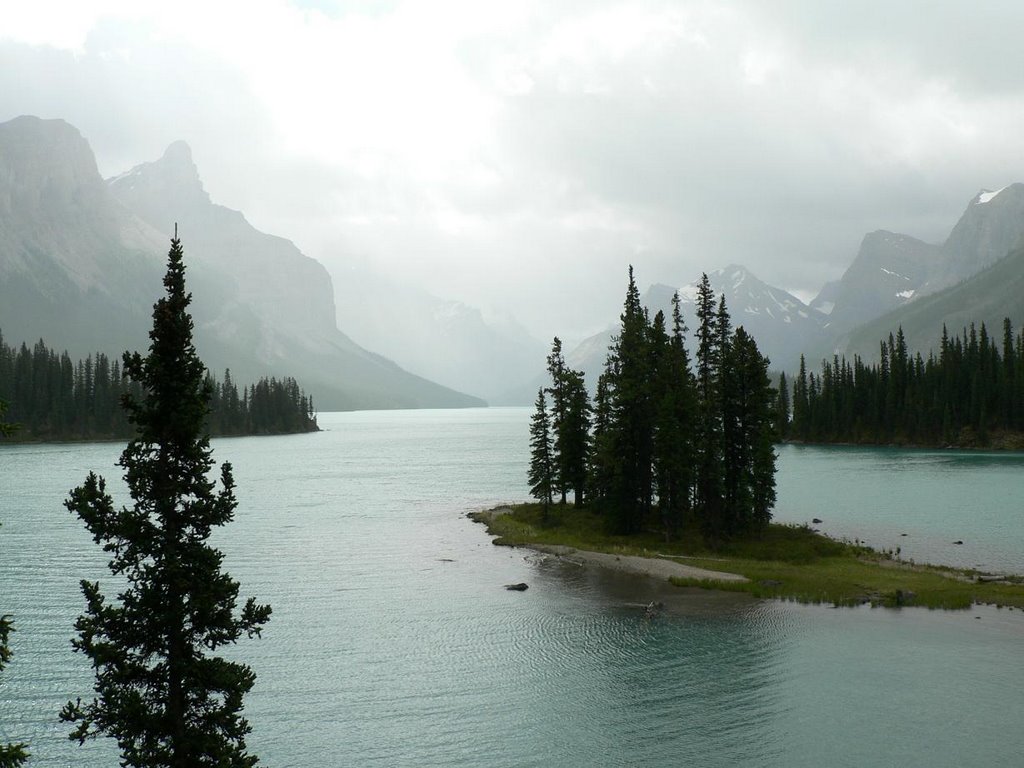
(969, 394)
(51, 397)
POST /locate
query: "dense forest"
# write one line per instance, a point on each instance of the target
(51, 397)
(663, 444)
(971, 394)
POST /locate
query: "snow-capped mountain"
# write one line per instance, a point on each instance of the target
(782, 325)
(893, 272)
(888, 271)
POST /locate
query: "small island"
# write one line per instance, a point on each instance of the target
(785, 562)
(671, 471)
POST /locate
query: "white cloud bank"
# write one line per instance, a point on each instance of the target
(519, 155)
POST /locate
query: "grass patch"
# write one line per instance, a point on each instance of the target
(785, 562)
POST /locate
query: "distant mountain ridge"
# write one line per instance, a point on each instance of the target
(447, 341)
(893, 274)
(81, 259)
(990, 296)
(781, 324)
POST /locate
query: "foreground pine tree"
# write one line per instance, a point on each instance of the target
(159, 690)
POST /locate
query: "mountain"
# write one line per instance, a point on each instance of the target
(81, 260)
(893, 270)
(71, 260)
(990, 227)
(888, 271)
(445, 341)
(989, 296)
(781, 324)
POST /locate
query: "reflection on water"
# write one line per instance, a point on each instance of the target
(393, 642)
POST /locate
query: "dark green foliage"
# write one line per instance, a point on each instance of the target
(709, 490)
(782, 409)
(570, 426)
(626, 458)
(56, 399)
(676, 448)
(5, 428)
(11, 755)
(541, 473)
(159, 690)
(970, 394)
(675, 418)
(750, 452)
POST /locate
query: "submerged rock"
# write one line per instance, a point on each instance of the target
(520, 587)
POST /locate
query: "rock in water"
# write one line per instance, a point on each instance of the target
(520, 587)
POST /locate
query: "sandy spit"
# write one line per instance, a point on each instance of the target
(655, 567)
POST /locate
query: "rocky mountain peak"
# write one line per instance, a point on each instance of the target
(170, 185)
(990, 227)
(44, 165)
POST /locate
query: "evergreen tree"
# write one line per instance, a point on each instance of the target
(5, 428)
(541, 474)
(675, 417)
(160, 692)
(752, 457)
(782, 408)
(11, 755)
(630, 437)
(570, 425)
(709, 481)
(556, 370)
(574, 436)
(602, 457)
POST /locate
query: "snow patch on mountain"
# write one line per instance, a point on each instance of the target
(894, 274)
(984, 197)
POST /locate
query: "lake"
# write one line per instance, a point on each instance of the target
(393, 642)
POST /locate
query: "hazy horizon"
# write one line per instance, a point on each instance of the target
(517, 158)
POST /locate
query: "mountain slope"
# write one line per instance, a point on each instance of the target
(71, 260)
(82, 270)
(892, 270)
(446, 341)
(990, 227)
(888, 271)
(989, 296)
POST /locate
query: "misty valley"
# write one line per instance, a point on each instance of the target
(720, 524)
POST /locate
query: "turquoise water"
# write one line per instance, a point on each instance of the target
(393, 642)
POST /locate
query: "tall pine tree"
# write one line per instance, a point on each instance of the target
(160, 691)
(541, 473)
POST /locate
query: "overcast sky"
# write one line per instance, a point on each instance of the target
(518, 155)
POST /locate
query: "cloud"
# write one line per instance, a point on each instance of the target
(518, 156)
